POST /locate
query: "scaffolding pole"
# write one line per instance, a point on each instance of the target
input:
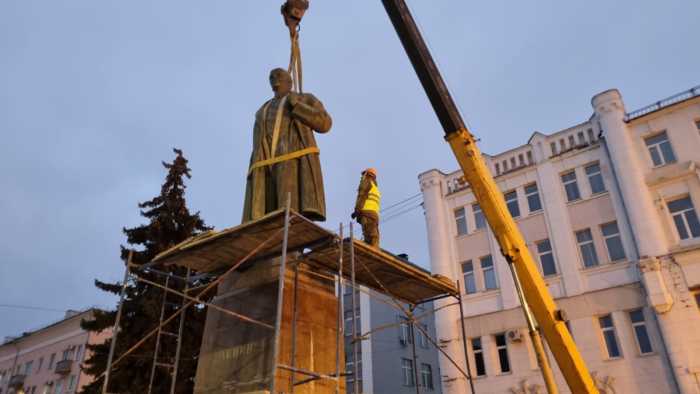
(355, 374)
(180, 332)
(160, 331)
(117, 320)
(294, 326)
(412, 323)
(464, 337)
(280, 296)
(341, 310)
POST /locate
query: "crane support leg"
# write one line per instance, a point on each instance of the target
(491, 200)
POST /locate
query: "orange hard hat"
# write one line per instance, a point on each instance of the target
(371, 171)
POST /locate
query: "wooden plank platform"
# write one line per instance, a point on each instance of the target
(383, 272)
(215, 251)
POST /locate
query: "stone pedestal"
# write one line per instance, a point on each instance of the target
(236, 356)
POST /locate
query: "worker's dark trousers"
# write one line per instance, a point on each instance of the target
(370, 228)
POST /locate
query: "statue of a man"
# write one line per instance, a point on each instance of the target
(285, 158)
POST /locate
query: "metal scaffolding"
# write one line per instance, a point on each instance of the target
(276, 235)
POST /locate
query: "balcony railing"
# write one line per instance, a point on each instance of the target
(17, 381)
(661, 104)
(64, 367)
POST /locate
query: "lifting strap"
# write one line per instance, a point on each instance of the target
(289, 156)
(278, 123)
(294, 68)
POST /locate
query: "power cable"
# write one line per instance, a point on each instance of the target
(28, 307)
(400, 213)
(400, 202)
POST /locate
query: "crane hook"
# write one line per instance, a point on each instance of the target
(293, 11)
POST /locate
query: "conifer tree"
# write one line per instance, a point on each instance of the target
(169, 222)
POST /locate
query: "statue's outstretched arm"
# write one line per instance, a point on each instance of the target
(310, 111)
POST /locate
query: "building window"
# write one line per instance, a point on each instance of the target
(498, 169)
(350, 370)
(426, 376)
(595, 178)
(404, 331)
(461, 221)
(479, 363)
(660, 149)
(58, 389)
(544, 250)
(488, 272)
(613, 241)
(512, 162)
(479, 219)
(521, 160)
(407, 369)
(529, 157)
(571, 186)
(504, 163)
(553, 147)
(585, 244)
(68, 353)
(572, 142)
(71, 383)
(41, 363)
(502, 348)
(640, 332)
(512, 203)
(591, 137)
(608, 329)
(685, 218)
(533, 197)
(348, 321)
(78, 353)
(562, 145)
(581, 138)
(28, 367)
(423, 337)
(469, 280)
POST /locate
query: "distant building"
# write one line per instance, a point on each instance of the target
(386, 364)
(48, 360)
(609, 210)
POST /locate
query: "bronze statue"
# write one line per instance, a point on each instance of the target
(285, 156)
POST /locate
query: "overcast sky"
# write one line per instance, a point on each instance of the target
(94, 94)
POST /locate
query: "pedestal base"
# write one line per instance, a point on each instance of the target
(236, 356)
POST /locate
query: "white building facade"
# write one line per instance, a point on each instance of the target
(608, 209)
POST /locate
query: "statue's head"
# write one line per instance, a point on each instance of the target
(281, 82)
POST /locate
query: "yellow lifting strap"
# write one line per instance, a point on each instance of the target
(289, 156)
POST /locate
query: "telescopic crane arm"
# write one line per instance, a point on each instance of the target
(491, 200)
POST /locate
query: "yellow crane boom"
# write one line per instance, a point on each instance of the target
(492, 202)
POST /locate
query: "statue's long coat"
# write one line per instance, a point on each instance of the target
(267, 187)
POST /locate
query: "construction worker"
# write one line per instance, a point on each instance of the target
(367, 206)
